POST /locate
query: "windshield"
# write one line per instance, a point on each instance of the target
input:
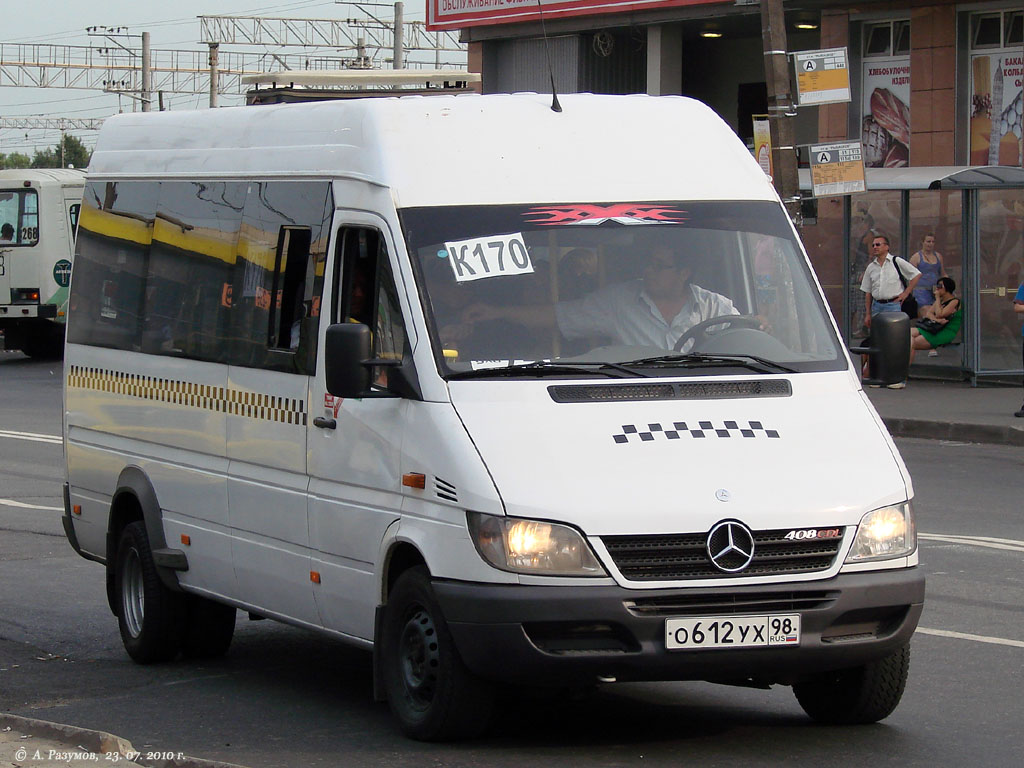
(657, 287)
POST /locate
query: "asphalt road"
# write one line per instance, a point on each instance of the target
(285, 697)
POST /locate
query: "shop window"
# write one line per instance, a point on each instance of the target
(878, 39)
(986, 30)
(1015, 28)
(901, 37)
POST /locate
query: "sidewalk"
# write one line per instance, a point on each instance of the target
(28, 743)
(944, 410)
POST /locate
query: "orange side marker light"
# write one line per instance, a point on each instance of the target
(186, 540)
(314, 576)
(76, 510)
(414, 480)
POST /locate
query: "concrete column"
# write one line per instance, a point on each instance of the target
(147, 74)
(664, 59)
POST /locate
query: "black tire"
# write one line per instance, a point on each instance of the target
(209, 627)
(430, 691)
(149, 615)
(861, 695)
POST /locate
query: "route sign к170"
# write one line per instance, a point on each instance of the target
(837, 169)
(822, 77)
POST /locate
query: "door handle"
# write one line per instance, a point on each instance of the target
(325, 423)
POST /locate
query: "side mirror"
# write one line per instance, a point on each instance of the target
(347, 350)
(889, 350)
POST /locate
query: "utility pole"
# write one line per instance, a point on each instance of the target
(781, 107)
(399, 50)
(214, 51)
(147, 74)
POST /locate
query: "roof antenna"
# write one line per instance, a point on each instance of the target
(555, 106)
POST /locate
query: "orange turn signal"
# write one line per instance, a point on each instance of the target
(186, 540)
(314, 576)
(76, 510)
(414, 480)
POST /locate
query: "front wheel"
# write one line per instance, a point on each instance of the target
(149, 615)
(864, 694)
(430, 691)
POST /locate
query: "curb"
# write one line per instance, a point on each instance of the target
(955, 431)
(99, 742)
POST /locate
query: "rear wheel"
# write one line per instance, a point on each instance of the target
(209, 627)
(149, 615)
(864, 694)
(430, 691)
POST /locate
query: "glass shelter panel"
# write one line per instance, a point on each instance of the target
(936, 239)
(1000, 272)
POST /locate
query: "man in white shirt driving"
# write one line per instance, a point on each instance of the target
(654, 310)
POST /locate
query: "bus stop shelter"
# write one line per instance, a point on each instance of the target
(977, 217)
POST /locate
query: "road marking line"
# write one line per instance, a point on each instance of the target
(35, 437)
(976, 638)
(1015, 542)
(23, 505)
(1012, 546)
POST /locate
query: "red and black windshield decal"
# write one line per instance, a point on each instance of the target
(590, 214)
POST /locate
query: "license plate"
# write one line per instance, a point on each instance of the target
(704, 632)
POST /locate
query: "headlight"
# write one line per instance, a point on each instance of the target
(884, 533)
(532, 546)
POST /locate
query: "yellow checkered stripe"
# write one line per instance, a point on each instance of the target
(235, 402)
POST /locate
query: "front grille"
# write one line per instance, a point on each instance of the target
(682, 557)
(734, 603)
(697, 390)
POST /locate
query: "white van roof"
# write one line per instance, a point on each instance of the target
(450, 150)
(43, 175)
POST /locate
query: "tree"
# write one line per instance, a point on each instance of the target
(75, 154)
(15, 160)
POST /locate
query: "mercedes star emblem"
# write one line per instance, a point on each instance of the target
(730, 546)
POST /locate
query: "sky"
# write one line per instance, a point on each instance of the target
(172, 25)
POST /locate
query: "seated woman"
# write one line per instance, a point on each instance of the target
(946, 312)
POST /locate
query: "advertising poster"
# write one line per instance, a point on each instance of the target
(885, 129)
(763, 143)
(996, 108)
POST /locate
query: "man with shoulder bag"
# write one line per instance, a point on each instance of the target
(888, 285)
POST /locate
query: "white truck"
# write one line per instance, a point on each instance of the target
(507, 395)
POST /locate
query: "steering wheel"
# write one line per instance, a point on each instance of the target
(700, 330)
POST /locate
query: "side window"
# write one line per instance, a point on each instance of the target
(191, 260)
(278, 275)
(19, 217)
(110, 265)
(369, 295)
(73, 210)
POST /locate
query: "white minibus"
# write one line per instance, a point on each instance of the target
(509, 396)
(38, 215)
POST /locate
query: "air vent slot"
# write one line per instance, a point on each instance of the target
(686, 390)
(445, 490)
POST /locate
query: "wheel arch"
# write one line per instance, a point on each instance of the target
(399, 556)
(135, 499)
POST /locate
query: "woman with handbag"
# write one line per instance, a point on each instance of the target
(942, 320)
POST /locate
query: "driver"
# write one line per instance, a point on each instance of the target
(654, 310)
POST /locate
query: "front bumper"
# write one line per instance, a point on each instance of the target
(568, 635)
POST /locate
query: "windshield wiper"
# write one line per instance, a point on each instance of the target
(696, 360)
(542, 368)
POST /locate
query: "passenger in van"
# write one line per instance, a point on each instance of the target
(577, 273)
(654, 310)
(7, 233)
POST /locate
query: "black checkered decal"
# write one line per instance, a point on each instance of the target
(253, 405)
(695, 429)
